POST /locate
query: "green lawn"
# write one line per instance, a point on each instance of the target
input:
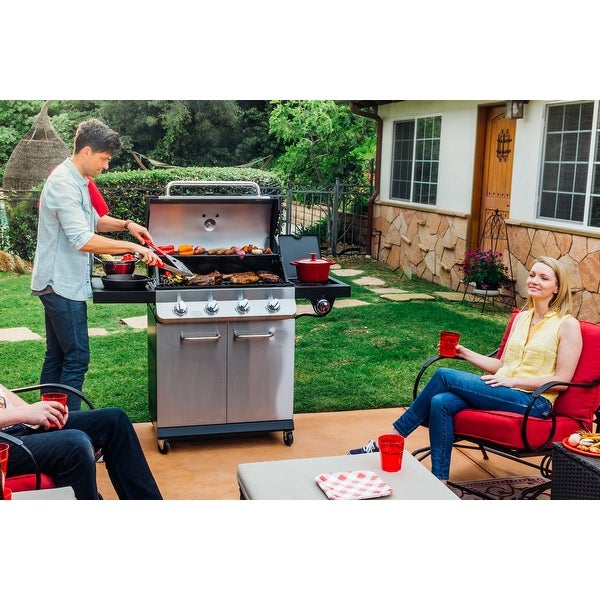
(354, 358)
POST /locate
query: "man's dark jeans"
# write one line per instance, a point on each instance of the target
(67, 344)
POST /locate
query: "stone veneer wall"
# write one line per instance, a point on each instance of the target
(431, 245)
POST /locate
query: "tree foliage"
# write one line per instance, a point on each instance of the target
(323, 141)
(310, 141)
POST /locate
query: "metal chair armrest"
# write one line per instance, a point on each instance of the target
(61, 386)
(534, 396)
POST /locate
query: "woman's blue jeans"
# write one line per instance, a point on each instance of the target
(450, 391)
(68, 454)
(67, 344)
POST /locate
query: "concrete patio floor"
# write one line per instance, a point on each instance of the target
(205, 468)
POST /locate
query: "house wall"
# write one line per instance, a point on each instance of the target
(430, 242)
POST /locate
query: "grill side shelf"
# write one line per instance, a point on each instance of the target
(103, 296)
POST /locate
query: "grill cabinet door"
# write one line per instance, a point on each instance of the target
(260, 385)
(191, 364)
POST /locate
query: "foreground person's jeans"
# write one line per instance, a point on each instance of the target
(67, 344)
(450, 391)
(68, 454)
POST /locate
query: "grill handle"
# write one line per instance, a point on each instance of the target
(253, 336)
(203, 338)
(213, 184)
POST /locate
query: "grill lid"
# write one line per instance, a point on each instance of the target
(213, 215)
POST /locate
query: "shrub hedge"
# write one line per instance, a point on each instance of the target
(125, 193)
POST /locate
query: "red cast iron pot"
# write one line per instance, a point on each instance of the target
(313, 269)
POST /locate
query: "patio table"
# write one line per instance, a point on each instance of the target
(295, 479)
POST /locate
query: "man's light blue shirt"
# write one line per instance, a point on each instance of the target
(67, 222)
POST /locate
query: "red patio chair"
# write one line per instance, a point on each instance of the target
(523, 438)
(35, 480)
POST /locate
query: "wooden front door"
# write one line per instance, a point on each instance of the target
(496, 182)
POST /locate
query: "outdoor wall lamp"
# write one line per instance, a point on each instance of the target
(514, 109)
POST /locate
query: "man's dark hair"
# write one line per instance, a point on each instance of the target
(98, 136)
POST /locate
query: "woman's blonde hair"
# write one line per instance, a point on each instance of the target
(562, 301)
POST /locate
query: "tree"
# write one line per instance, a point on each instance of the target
(323, 141)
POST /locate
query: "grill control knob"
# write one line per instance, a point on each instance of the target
(180, 308)
(212, 307)
(323, 306)
(273, 305)
(243, 306)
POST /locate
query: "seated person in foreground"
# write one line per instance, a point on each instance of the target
(67, 452)
(544, 344)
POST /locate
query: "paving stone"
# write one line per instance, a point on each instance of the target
(388, 291)
(348, 272)
(406, 297)
(454, 296)
(136, 322)
(344, 302)
(18, 334)
(369, 281)
(97, 331)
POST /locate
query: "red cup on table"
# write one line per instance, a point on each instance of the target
(448, 342)
(54, 397)
(391, 448)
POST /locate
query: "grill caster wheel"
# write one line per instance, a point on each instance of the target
(288, 438)
(164, 446)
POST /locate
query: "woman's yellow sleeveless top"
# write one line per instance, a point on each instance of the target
(533, 354)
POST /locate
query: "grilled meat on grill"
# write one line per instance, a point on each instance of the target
(244, 278)
(214, 278)
(267, 277)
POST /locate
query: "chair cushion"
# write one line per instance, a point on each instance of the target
(580, 403)
(24, 483)
(504, 428)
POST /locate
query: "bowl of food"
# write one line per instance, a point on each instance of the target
(117, 265)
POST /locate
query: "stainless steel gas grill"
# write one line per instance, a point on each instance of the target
(221, 342)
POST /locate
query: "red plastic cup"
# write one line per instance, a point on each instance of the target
(448, 341)
(391, 448)
(7, 494)
(3, 464)
(54, 397)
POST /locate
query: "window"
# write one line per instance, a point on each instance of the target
(415, 160)
(571, 153)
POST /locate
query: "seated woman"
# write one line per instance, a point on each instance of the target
(67, 452)
(544, 344)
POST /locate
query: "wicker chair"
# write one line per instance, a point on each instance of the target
(526, 439)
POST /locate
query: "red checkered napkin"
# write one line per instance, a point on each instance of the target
(353, 485)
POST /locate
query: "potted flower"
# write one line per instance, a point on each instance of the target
(485, 269)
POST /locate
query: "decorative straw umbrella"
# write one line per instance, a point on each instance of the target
(35, 155)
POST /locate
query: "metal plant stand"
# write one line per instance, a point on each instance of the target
(493, 237)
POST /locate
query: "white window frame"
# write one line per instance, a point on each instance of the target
(589, 197)
(432, 181)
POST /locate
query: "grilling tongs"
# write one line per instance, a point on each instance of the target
(176, 265)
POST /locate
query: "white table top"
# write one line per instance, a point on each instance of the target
(61, 493)
(295, 479)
